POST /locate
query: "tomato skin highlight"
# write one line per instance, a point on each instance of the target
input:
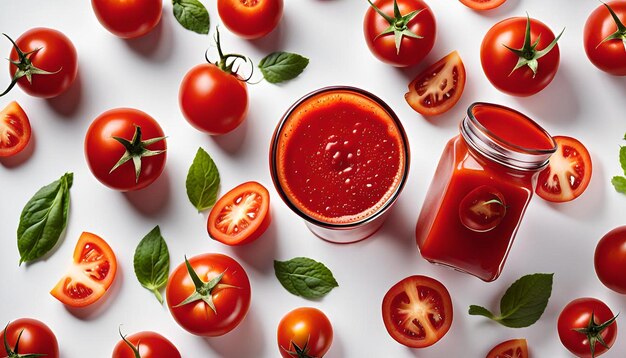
(149, 344)
(514, 348)
(206, 87)
(610, 56)
(482, 4)
(610, 259)
(15, 130)
(577, 314)
(57, 53)
(128, 19)
(37, 338)
(305, 326)
(250, 19)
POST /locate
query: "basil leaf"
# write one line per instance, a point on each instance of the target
(619, 183)
(523, 302)
(44, 218)
(152, 262)
(192, 15)
(203, 181)
(305, 277)
(282, 66)
(622, 158)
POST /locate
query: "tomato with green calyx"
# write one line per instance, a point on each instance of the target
(304, 332)
(14, 130)
(128, 19)
(145, 345)
(610, 259)
(250, 19)
(482, 4)
(482, 209)
(587, 327)
(400, 32)
(605, 37)
(29, 338)
(520, 56)
(514, 348)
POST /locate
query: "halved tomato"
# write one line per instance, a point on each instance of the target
(90, 275)
(439, 87)
(240, 216)
(514, 348)
(417, 311)
(14, 130)
(568, 174)
(482, 4)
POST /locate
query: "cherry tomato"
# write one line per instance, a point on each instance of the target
(605, 38)
(583, 323)
(145, 345)
(568, 174)
(514, 348)
(118, 136)
(14, 130)
(610, 259)
(34, 337)
(128, 18)
(416, 20)
(250, 19)
(213, 278)
(46, 55)
(304, 332)
(482, 4)
(438, 88)
(482, 209)
(417, 311)
(240, 216)
(501, 54)
(91, 274)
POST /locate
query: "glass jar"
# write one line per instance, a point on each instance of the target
(484, 181)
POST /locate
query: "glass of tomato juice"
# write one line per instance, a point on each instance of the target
(484, 181)
(339, 158)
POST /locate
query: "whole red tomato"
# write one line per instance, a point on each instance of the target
(304, 332)
(145, 345)
(610, 259)
(520, 56)
(46, 56)
(212, 97)
(584, 324)
(250, 19)
(605, 37)
(128, 18)
(36, 339)
(400, 38)
(125, 149)
(209, 294)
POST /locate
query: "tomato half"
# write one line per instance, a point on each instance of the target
(417, 311)
(514, 348)
(240, 216)
(147, 345)
(44, 50)
(438, 88)
(610, 259)
(128, 18)
(119, 135)
(34, 337)
(605, 38)
(568, 174)
(416, 29)
(482, 4)
(250, 19)
(582, 323)
(14, 130)
(214, 278)
(304, 332)
(91, 274)
(482, 209)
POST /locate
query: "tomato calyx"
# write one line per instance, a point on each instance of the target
(25, 66)
(593, 332)
(128, 343)
(136, 149)
(204, 290)
(13, 353)
(223, 63)
(528, 54)
(398, 24)
(620, 33)
(299, 352)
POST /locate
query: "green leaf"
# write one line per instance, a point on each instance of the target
(523, 302)
(152, 262)
(305, 277)
(203, 181)
(619, 183)
(192, 15)
(622, 158)
(282, 66)
(43, 219)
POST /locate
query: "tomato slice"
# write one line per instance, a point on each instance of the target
(482, 4)
(417, 311)
(568, 174)
(514, 348)
(240, 216)
(439, 87)
(14, 130)
(90, 275)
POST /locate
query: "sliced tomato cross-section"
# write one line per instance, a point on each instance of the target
(14, 130)
(514, 348)
(91, 274)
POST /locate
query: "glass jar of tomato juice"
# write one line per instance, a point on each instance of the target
(481, 188)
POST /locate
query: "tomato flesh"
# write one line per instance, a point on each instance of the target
(514, 348)
(482, 4)
(482, 209)
(14, 130)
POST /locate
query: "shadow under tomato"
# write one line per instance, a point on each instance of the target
(67, 103)
(247, 340)
(94, 310)
(231, 142)
(21, 157)
(259, 253)
(156, 45)
(274, 41)
(154, 199)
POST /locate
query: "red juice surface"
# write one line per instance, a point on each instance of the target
(340, 157)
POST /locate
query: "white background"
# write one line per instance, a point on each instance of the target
(145, 74)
